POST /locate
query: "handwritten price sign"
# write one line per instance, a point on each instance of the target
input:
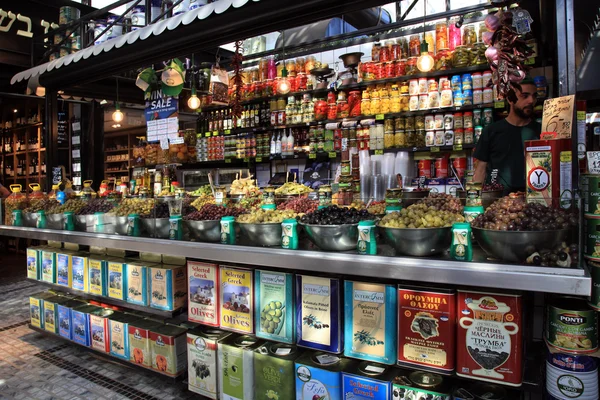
(593, 158)
(558, 116)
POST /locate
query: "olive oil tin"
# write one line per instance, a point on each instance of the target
(117, 278)
(50, 306)
(80, 267)
(420, 385)
(571, 325)
(36, 308)
(591, 244)
(203, 289)
(64, 273)
(65, 318)
(139, 341)
(48, 266)
(274, 371)
(99, 329)
(202, 345)
(118, 328)
(237, 299)
(595, 297)
(479, 391)
(590, 192)
(137, 283)
(367, 381)
(98, 276)
(168, 287)
(236, 366)
(319, 375)
(319, 313)
(80, 324)
(370, 318)
(169, 349)
(274, 312)
(33, 263)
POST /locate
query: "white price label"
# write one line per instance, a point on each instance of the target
(373, 368)
(593, 158)
(77, 153)
(164, 143)
(76, 140)
(283, 351)
(76, 126)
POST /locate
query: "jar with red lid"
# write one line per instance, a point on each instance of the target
(331, 97)
(390, 69)
(411, 66)
(320, 110)
(414, 46)
(354, 100)
(332, 111)
(400, 68)
(343, 110)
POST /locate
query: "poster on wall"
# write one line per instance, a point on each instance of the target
(62, 136)
(162, 118)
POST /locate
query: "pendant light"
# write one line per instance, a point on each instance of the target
(117, 116)
(193, 102)
(425, 61)
(283, 84)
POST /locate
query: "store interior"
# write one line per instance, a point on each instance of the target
(319, 200)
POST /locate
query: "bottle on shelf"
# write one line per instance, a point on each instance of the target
(273, 145)
(20, 168)
(278, 145)
(43, 168)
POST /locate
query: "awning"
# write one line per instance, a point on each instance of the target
(156, 29)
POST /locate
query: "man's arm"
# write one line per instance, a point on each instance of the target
(480, 171)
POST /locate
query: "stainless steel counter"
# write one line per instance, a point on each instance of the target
(480, 272)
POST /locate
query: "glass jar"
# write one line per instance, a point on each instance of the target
(385, 105)
(290, 65)
(403, 51)
(430, 40)
(454, 34)
(469, 37)
(281, 104)
(384, 53)
(300, 65)
(410, 139)
(420, 138)
(354, 103)
(404, 88)
(302, 80)
(320, 110)
(388, 139)
(343, 111)
(400, 68)
(409, 124)
(478, 54)
(390, 69)
(309, 64)
(411, 66)
(404, 103)
(419, 122)
(441, 35)
(395, 104)
(414, 46)
(375, 51)
(399, 123)
(365, 106)
(332, 111)
(482, 30)
(399, 138)
(388, 124)
(461, 57)
(443, 60)
(375, 106)
(263, 69)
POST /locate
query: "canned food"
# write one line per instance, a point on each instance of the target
(488, 116)
(425, 168)
(571, 325)
(477, 131)
(467, 119)
(420, 385)
(458, 121)
(459, 136)
(590, 186)
(477, 117)
(468, 138)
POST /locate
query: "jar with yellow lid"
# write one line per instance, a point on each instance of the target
(395, 92)
(375, 105)
(385, 105)
(383, 91)
(365, 106)
(366, 94)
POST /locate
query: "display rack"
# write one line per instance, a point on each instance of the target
(119, 143)
(110, 358)
(481, 272)
(110, 300)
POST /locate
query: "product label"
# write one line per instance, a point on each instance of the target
(570, 386)
(202, 366)
(566, 179)
(80, 326)
(413, 393)
(236, 371)
(203, 293)
(137, 276)
(273, 378)
(118, 334)
(48, 267)
(168, 353)
(99, 335)
(50, 316)
(139, 346)
(32, 264)
(115, 280)
(161, 282)
(34, 312)
(275, 306)
(368, 319)
(63, 264)
(316, 310)
(97, 277)
(237, 300)
(572, 331)
(360, 388)
(314, 383)
(64, 321)
(79, 266)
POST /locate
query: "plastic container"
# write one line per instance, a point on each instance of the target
(15, 201)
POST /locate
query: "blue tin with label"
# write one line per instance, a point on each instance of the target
(65, 319)
(64, 274)
(367, 381)
(137, 283)
(371, 312)
(319, 375)
(80, 324)
(79, 266)
(274, 311)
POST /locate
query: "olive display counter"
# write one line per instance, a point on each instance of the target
(480, 272)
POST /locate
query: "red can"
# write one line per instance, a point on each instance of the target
(460, 165)
(425, 168)
(441, 167)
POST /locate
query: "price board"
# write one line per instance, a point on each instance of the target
(558, 116)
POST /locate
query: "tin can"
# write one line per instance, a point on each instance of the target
(236, 366)
(80, 317)
(140, 351)
(34, 260)
(420, 385)
(429, 122)
(65, 317)
(367, 381)
(41, 219)
(98, 276)
(203, 366)
(99, 329)
(176, 228)
(571, 325)
(427, 327)
(48, 266)
(68, 14)
(319, 313)
(571, 377)
(50, 311)
(69, 221)
(168, 284)
(479, 391)
(203, 289)
(595, 273)
(168, 349)
(274, 370)
(456, 83)
(17, 218)
(590, 187)
(469, 136)
(138, 18)
(118, 328)
(237, 299)
(477, 120)
(117, 279)
(425, 168)
(449, 121)
(137, 283)
(133, 225)
(275, 306)
(80, 268)
(228, 230)
(64, 272)
(36, 308)
(319, 375)
(477, 131)
(370, 319)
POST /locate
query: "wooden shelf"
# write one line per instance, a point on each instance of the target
(22, 127)
(114, 172)
(121, 161)
(116, 151)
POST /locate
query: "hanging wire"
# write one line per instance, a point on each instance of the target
(117, 91)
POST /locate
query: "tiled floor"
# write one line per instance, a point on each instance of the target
(35, 366)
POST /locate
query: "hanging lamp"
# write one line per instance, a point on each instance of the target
(283, 84)
(117, 116)
(425, 62)
(193, 102)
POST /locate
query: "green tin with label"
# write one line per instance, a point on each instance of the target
(274, 371)
(274, 311)
(289, 234)
(571, 325)
(367, 243)
(461, 248)
(236, 366)
(48, 266)
(228, 230)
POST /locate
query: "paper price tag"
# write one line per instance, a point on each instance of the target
(435, 149)
(227, 132)
(258, 159)
(228, 161)
(457, 147)
(164, 143)
(76, 126)
(580, 115)
(498, 104)
(207, 134)
(75, 140)
(312, 156)
(332, 154)
(215, 133)
(379, 117)
(378, 152)
(593, 158)
(246, 159)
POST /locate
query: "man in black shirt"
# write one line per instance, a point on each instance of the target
(501, 145)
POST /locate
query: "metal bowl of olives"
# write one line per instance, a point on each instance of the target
(29, 220)
(516, 246)
(418, 242)
(410, 197)
(204, 231)
(55, 221)
(235, 198)
(155, 227)
(261, 234)
(333, 237)
(121, 225)
(487, 197)
(81, 223)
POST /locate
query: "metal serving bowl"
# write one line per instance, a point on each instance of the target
(30, 220)
(155, 227)
(121, 225)
(81, 223)
(205, 231)
(282, 198)
(487, 197)
(261, 234)
(516, 246)
(55, 221)
(410, 197)
(333, 237)
(418, 242)
(351, 60)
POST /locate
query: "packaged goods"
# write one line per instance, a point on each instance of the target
(168, 287)
(65, 317)
(274, 371)
(118, 328)
(117, 279)
(367, 381)
(420, 385)
(203, 289)
(319, 375)
(137, 283)
(168, 349)
(99, 329)
(548, 172)
(50, 310)
(80, 324)
(49, 266)
(236, 366)
(80, 268)
(203, 361)
(98, 276)
(237, 299)
(34, 259)
(274, 312)
(571, 325)
(140, 351)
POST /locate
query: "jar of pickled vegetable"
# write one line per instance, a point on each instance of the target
(410, 139)
(375, 51)
(399, 138)
(399, 123)
(441, 35)
(454, 35)
(404, 103)
(320, 110)
(375, 105)
(420, 138)
(309, 64)
(302, 80)
(482, 30)
(404, 88)
(343, 111)
(461, 57)
(290, 65)
(414, 46)
(411, 66)
(403, 43)
(409, 124)
(332, 111)
(443, 60)
(430, 40)
(400, 68)
(390, 69)
(385, 105)
(478, 54)
(388, 139)
(384, 53)
(354, 103)
(365, 106)
(395, 104)
(388, 124)
(419, 122)
(469, 35)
